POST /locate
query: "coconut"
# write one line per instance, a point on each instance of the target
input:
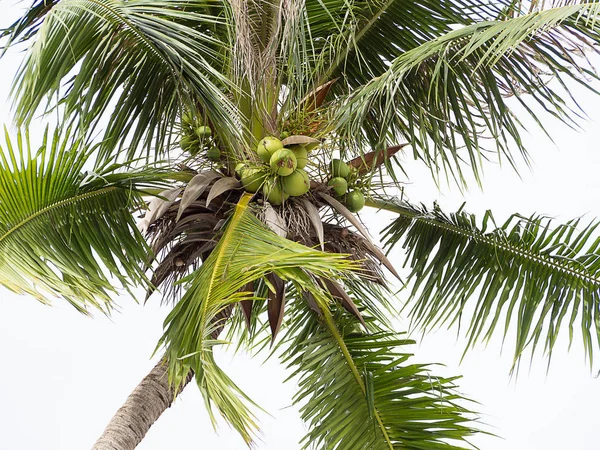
(214, 154)
(339, 185)
(301, 155)
(273, 192)
(267, 146)
(252, 178)
(186, 118)
(186, 143)
(283, 162)
(296, 184)
(339, 168)
(355, 200)
(203, 132)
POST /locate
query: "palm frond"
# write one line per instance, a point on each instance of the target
(149, 58)
(357, 390)
(364, 36)
(246, 252)
(527, 271)
(25, 27)
(65, 232)
(448, 97)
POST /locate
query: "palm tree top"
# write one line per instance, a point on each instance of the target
(259, 129)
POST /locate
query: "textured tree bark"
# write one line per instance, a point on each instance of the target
(142, 408)
(146, 403)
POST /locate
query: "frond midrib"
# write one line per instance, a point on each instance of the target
(55, 206)
(346, 353)
(508, 247)
(515, 250)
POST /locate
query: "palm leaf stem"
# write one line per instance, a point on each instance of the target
(472, 234)
(56, 206)
(351, 364)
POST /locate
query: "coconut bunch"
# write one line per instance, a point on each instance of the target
(344, 183)
(281, 172)
(197, 137)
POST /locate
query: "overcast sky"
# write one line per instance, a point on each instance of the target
(64, 375)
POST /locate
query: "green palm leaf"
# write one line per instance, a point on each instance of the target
(63, 231)
(247, 251)
(361, 37)
(357, 390)
(149, 58)
(447, 97)
(527, 270)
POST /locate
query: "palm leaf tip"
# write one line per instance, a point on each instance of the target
(543, 275)
(64, 233)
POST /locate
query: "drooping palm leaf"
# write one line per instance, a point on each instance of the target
(247, 251)
(357, 390)
(64, 232)
(149, 58)
(370, 34)
(528, 271)
(28, 24)
(447, 97)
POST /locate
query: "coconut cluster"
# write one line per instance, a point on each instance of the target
(198, 137)
(342, 178)
(282, 176)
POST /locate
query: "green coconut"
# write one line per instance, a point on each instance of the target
(214, 154)
(339, 185)
(186, 118)
(283, 162)
(267, 146)
(355, 201)
(203, 132)
(301, 155)
(252, 178)
(284, 135)
(296, 184)
(186, 143)
(273, 192)
(339, 168)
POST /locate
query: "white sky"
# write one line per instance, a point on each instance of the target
(64, 375)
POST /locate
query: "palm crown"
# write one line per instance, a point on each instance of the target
(260, 128)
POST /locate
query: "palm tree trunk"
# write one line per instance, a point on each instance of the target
(142, 408)
(147, 402)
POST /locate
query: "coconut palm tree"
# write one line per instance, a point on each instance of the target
(249, 134)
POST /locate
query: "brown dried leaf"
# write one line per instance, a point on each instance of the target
(338, 292)
(374, 159)
(315, 98)
(158, 206)
(222, 185)
(312, 303)
(299, 139)
(274, 221)
(359, 226)
(315, 220)
(194, 189)
(276, 304)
